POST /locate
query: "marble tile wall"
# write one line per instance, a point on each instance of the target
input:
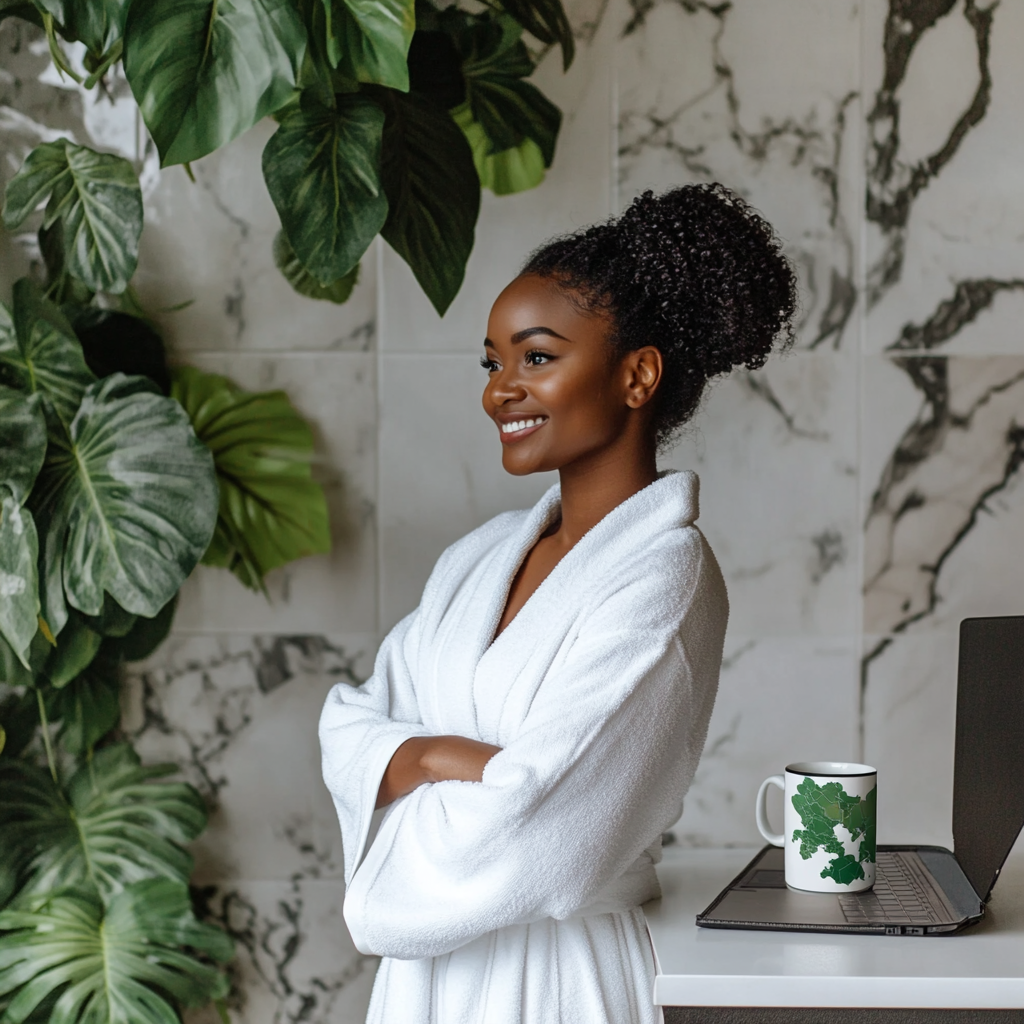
(862, 492)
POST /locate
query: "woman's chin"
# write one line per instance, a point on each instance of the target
(520, 464)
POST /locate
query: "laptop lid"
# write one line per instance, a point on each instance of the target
(988, 776)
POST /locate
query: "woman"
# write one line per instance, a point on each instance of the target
(533, 726)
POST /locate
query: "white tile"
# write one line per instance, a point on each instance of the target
(909, 723)
(777, 456)
(239, 715)
(963, 220)
(576, 192)
(734, 93)
(779, 700)
(295, 962)
(938, 460)
(441, 473)
(209, 243)
(336, 393)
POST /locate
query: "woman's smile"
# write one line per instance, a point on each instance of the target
(516, 428)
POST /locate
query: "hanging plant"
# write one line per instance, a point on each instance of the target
(392, 116)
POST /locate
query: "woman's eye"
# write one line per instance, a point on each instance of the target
(537, 358)
(488, 364)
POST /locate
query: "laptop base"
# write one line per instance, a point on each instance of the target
(919, 890)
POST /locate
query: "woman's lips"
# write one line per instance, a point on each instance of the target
(518, 429)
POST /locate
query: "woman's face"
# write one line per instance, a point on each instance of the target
(555, 390)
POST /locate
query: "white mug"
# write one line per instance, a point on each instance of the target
(829, 821)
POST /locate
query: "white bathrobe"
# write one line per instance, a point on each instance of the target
(515, 900)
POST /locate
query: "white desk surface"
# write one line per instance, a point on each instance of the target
(981, 968)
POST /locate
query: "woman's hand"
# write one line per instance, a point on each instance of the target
(433, 759)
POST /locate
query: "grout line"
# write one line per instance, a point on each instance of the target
(379, 353)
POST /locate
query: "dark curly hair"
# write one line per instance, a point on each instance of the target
(696, 272)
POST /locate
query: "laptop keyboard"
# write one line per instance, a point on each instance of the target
(900, 896)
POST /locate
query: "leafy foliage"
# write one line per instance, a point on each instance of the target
(271, 510)
(452, 85)
(433, 193)
(39, 352)
(118, 965)
(368, 40)
(111, 826)
(97, 201)
(322, 171)
(303, 281)
(19, 586)
(204, 71)
(125, 502)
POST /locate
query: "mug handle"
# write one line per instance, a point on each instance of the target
(761, 810)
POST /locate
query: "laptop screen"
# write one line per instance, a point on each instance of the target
(988, 780)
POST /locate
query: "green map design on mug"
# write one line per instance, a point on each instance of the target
(821, 809)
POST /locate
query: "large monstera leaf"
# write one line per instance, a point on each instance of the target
(22, 440)
(204, 71)
(271, 510)
(433, 192)
(115, 965)
(368, 40)
(322, 169)
(111, 826)
(40, 354)
(19, 583)
(98, 202)
(125, 504)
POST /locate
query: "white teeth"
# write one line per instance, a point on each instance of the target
(511, 428)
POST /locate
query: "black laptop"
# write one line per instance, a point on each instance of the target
(923, 890)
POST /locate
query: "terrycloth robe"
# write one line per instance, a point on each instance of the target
(516, 899)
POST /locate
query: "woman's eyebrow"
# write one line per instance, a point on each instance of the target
(529, 332)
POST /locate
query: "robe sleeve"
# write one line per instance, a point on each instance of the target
(360, 730)
(598, 769)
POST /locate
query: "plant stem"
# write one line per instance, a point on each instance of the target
(46, 734)
(111, 58)
(55, 51)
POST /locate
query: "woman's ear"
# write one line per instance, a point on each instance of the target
(643, 368)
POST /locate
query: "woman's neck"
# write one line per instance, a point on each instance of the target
(591, 490)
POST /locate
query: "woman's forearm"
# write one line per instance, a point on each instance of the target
(433, 759)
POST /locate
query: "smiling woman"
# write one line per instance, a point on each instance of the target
(533, 726)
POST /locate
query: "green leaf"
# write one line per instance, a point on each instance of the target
(112, 621)
(19, 581)
(98, 202)
(271, 510)
(494, 64)
(126, 502)
(304, 282)
(322, 169)
(433, 192)
(22, 440)
(20, 9)
(111, 826)
(147, 634)
(19, 715)
(511, 170)
(90, 705)
(61, 286)
(204, 71)
(117, 967)
(77, 645)
(96, 23)
(368, 40)
(39, 352)
(546, 20)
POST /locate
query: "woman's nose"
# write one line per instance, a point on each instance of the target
(504, 386)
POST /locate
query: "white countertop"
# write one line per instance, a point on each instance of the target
(981, 968)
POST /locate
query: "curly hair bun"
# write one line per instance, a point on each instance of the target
(696, 272)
